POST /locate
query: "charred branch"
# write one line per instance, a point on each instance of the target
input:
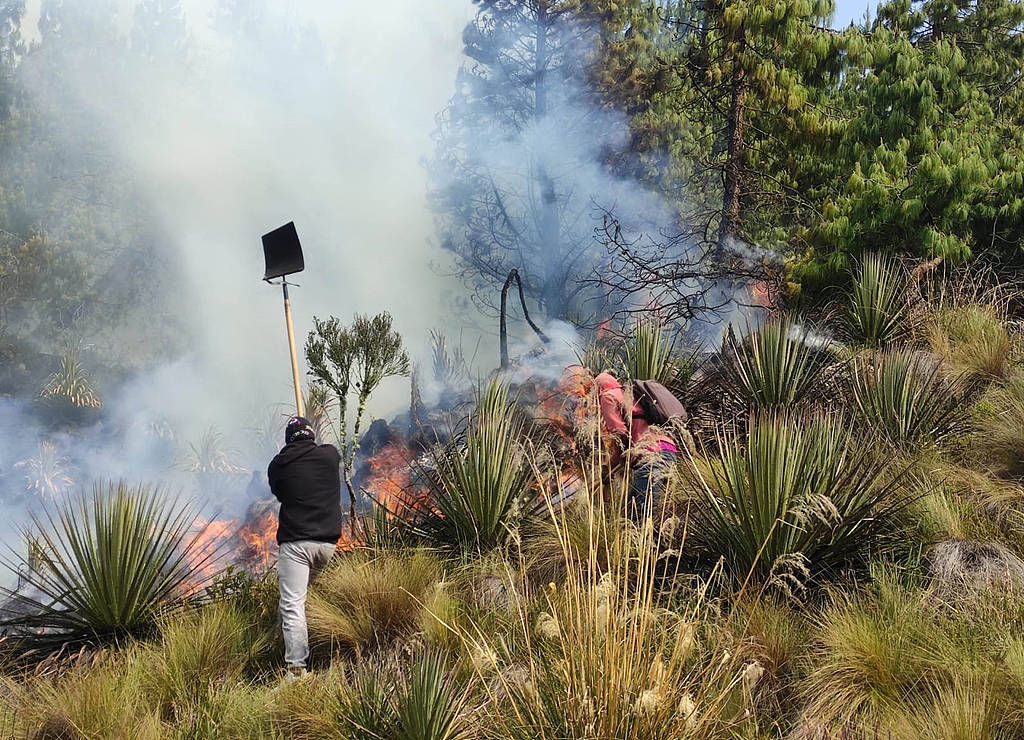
(513, 276)
(677, 277)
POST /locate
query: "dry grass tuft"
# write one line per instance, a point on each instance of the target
(364, 602)
(1000, 436)
(199, 653)
(972, 339)
(97, 701)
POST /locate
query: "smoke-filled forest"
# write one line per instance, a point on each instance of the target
(663, 362)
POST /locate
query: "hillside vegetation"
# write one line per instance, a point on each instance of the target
(838, 555)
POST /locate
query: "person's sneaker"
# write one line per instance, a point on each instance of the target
(294, 674)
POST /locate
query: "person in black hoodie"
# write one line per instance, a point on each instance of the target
(305, 478)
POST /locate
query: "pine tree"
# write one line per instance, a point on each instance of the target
(736, 96)
(159, 32)
(11, 47)
(932, 156)
(518, 153)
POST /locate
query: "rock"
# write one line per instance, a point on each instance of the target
(959, 568)
(492, 591)
(377, 437)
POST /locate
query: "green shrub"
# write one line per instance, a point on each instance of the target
(105, 565)
(876, 309)
(958, 502)
(792, 499)
(383, 530)
(480, 483)
(907, 399)
(1000, 437)
(776, 366)
(972, 338)
(199, 653)
(363, 603)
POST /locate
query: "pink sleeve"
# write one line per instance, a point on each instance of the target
(612, 403)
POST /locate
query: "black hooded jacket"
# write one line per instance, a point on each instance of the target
(304, 477)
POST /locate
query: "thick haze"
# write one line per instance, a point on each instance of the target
(320, 115)
(253, 114)
(317, 112)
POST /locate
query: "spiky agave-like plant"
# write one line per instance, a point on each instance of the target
(105, 566)
(46, 474)
(72, 383)
(908, 399)
(792, 498)
(421, 703)
(449, 364)
(480, 482)
(647, 354)
(778, 365)
(876, 310)
(210, 455)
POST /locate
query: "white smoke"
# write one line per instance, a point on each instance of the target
(319, 112)
(319, 115)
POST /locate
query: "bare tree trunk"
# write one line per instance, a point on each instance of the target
(553, 288)
(513, 276)
(553, 281)
(733, 190)
(346, 458)
(540, 93)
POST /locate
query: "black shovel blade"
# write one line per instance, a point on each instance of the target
(282, 252)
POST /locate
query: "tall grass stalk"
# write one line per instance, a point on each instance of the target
(601, 656)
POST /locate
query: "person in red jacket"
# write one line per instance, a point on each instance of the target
(649, 448)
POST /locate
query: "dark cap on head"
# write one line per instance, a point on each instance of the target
(298, 428)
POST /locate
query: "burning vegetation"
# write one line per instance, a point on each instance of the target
(771, 220)
(494, 557)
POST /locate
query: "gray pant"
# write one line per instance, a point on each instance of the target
(297, 564)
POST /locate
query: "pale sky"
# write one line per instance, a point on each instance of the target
(846, 11)
(851, 10)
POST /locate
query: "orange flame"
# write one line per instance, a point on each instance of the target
(390, 479)
(249, 543)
